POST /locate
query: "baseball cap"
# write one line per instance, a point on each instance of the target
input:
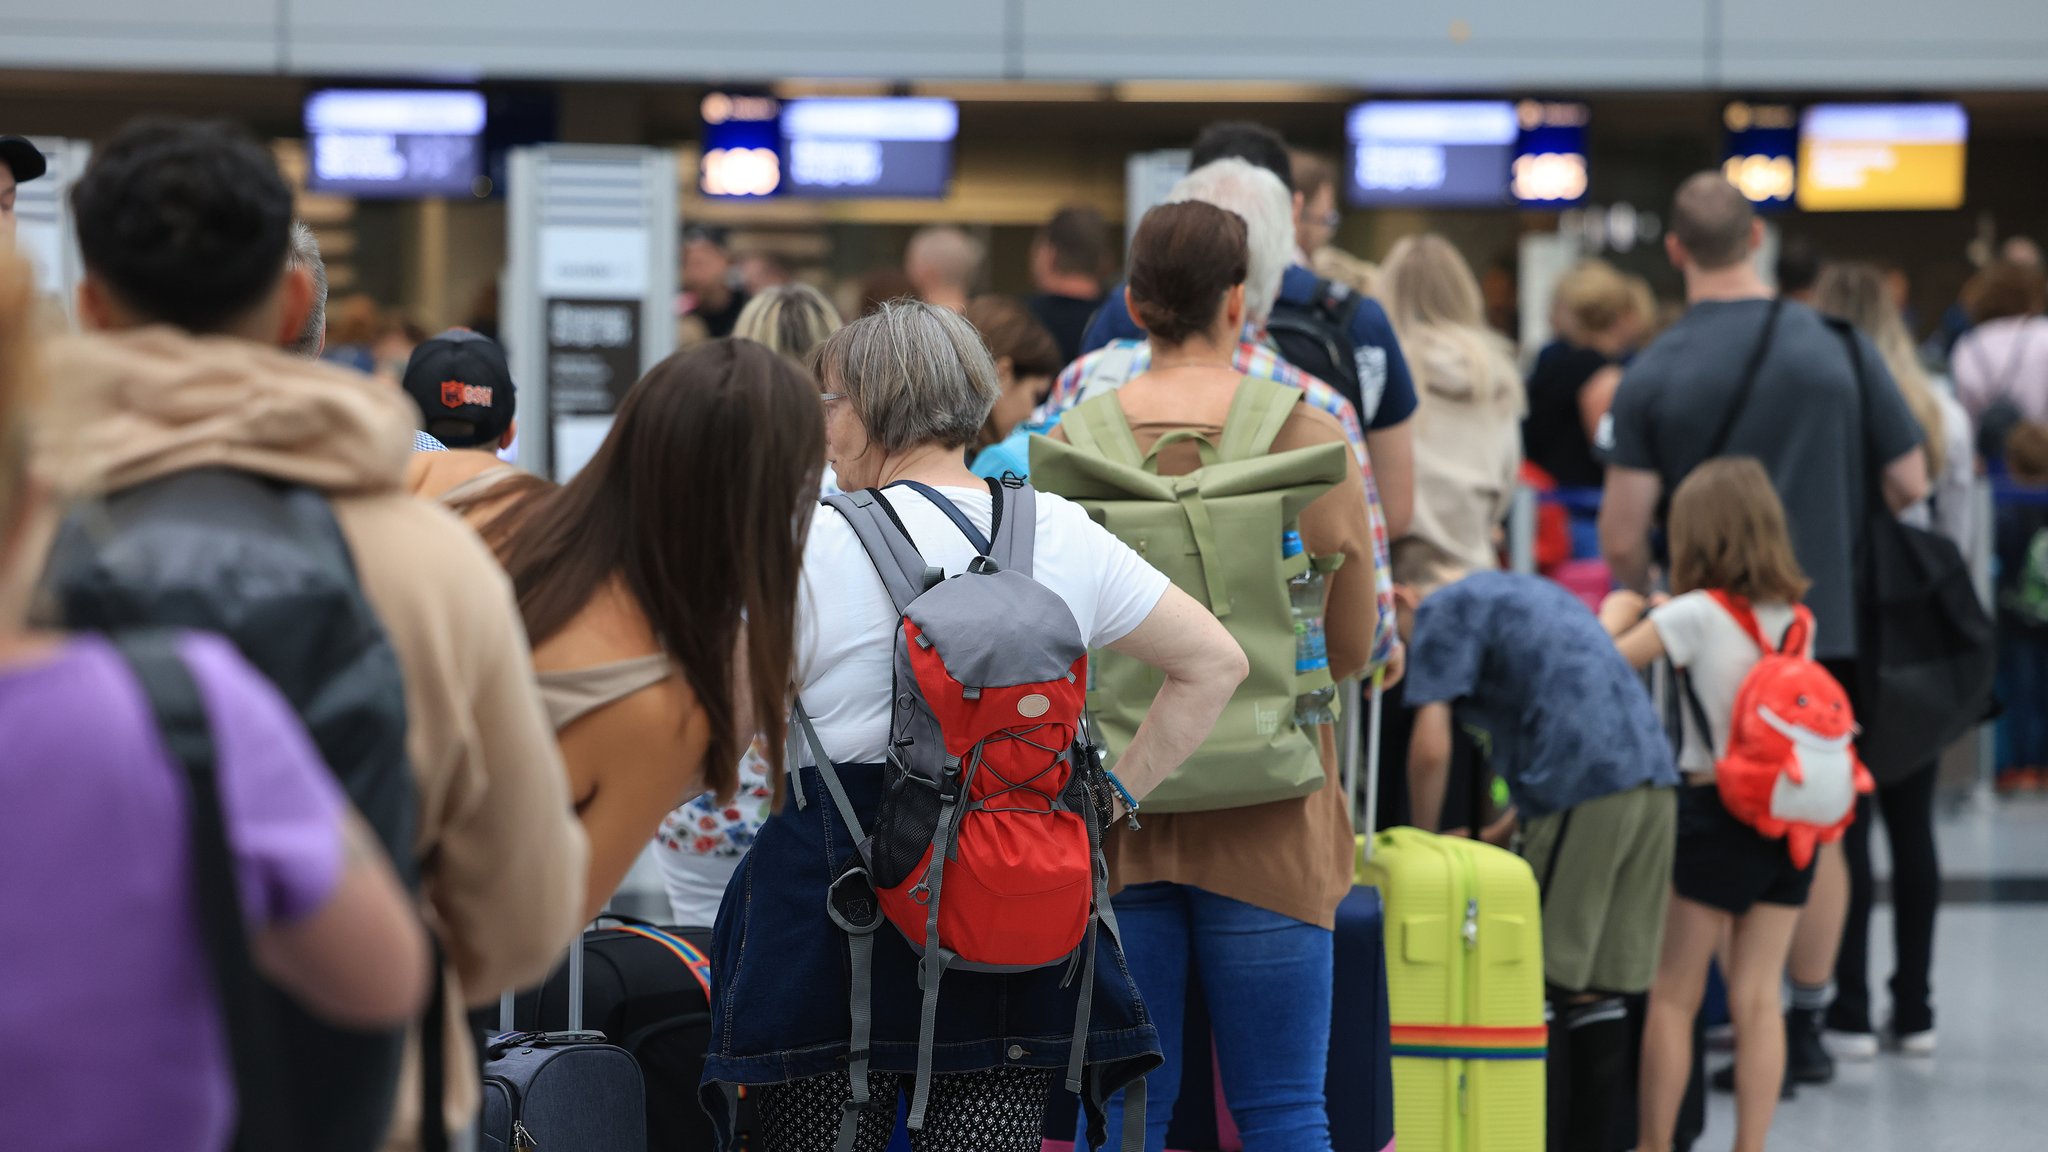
(464, 390)
(22, 158)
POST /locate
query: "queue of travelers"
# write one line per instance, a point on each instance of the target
(418, 712)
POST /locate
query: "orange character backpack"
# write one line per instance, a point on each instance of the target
(1790, 769)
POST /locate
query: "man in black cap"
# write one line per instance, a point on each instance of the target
(20, 163)
(464, 390)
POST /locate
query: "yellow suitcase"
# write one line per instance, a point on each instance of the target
(1465, 989)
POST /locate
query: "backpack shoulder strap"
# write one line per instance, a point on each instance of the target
(254, 1053)
(1745, 619)
(1257, 414)
(888, 545)
(1099, 427)
(1015, 526)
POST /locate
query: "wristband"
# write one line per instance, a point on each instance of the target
(1130, 801)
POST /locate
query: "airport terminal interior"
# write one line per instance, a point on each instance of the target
(597, 189)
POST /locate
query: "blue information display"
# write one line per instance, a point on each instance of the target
(742, 153)
(1761, 152)
(868, 148)
(1444, 153)
(1550, 168)
(394, 143)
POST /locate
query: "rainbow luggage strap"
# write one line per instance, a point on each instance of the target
(698, 963)
(1464, 1042)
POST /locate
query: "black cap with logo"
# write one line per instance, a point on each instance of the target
(464, 390)
(22, 158)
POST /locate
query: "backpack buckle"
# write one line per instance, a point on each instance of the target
(852, 904)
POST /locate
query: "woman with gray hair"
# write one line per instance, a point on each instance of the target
(905, 391)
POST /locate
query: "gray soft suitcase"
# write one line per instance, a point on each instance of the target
(561, 1091)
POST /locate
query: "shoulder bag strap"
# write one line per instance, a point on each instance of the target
(1698, 711)
(1739, 400)
(888, 545)
(253, 1050)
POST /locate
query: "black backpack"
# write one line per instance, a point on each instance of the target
(264, 563)
(1316, 337)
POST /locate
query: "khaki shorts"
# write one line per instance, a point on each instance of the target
(1604, 896)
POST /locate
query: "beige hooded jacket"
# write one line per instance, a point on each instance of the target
(502, 855)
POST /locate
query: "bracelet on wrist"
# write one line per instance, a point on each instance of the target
(1124, 794)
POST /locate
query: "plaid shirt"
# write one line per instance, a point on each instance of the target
(1256, 359)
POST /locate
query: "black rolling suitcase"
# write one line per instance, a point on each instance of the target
(565, 1091)
(648, 988)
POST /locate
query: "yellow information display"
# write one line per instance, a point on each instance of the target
(1882, 157)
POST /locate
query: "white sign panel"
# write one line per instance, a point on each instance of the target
(584, 262)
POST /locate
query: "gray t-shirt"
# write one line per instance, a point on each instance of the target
(1803, 422)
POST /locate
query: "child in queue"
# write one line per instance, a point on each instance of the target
(1730, 552)
(1517, 663)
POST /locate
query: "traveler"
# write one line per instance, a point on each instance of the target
(1744, 374)
(1027, 358)
(1469, 411)
(129, 977)
(20, 162)
(791, 320)
(1316, 218)
(1554, 712)
(1069, 257)
(715, 301)
(2021, 536)
(2003, 360)
(1730, 882)
(1601, 319)
(700, 843)
(1334, 335)
(1254, 888)
(634, 577)
(942, 264)
(1858, 294)
(218, 456)
(1258, 198)
(905, 392)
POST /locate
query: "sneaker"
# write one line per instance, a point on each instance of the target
(1857, 1047)
(1806, 1058)
(1724, 1081)
(1919, 1044)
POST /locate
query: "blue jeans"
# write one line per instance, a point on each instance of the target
(2023, 683)
(1268, 981)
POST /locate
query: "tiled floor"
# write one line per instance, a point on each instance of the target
(1988, 1087)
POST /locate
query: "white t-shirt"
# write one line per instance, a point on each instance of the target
(1706, 643)
(846, 625)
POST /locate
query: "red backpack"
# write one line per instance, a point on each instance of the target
(986, 850)
(1791, 769)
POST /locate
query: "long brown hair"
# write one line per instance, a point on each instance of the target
(1728, 533)
(699, 500)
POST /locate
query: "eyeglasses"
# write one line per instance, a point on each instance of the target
(828, 397)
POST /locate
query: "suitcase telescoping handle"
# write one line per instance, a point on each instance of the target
(506, 1003)
(1350, 746)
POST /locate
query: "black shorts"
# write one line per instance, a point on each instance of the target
(1724, 863)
